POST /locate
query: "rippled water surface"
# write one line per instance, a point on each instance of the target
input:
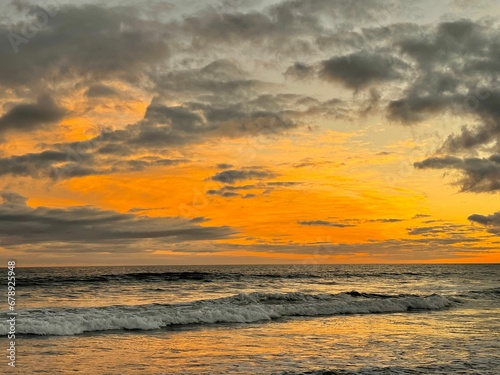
(328, 319)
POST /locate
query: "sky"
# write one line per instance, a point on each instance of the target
(246, 132)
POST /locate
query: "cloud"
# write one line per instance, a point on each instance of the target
(222, 193)
(99, 90)
(361, 69)
(456, 62)
(219, 78)
(389, 220)
(163, 127)
(344, 223)
(440, 68)
(196, 121)
(68, 164)
(420, 216)
(90, 226)
(487, 220)
(26, 117)
(231, 176)
(416, 108)
(324, 223)
(308, 162)
(451, 230)
(478, 174)
(229, 191)
(485, 103)
(282, 183)
(224, 166)
(279, 25)
(300, 71)
(12, 197)
(440, 162)
(32, 164)
(405, 249)
(88, 42)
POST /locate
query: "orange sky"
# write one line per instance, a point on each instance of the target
(331, 156)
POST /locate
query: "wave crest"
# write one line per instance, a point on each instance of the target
(240, 308)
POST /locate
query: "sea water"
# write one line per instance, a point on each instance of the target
(265, 319)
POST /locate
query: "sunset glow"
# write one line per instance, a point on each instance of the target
(174, 135)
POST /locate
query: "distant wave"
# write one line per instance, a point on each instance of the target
(240, 308)
(154, 276)
(319, 277)
(490, 292)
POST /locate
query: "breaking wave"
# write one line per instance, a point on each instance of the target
(240, 308)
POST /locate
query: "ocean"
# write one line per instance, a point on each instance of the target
(257, 319)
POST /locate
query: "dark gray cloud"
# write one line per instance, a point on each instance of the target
(220, 78)
(195, 121)
(224, 166)
(324, 223)
(282, 183)
(451, 230)
(178, 118)
(87, 42)
(413, 108)
(478, 174)
(140, 209)
(343, 223)
(389, 220)
(229, 191)
(439, 44)
(26, 117)
(231, 176)
(440, 162)
(90, 226)
(68, 164)
(99, 90)
(280, 25)
(442, 68)
(439, 68)
(420, 216)
(485, 103)
(310, 162)
(456, 65)
(163, 127)
(33, 164)
(457, 62)
(225, 194)
(362, 69)
(300, 71)
(243, 187)
(408, 249)
(188, 122)
(493, 219)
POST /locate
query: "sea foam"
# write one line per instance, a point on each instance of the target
(240, 308)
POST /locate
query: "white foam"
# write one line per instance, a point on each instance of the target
(241, 308)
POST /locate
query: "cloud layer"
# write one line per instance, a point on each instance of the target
(92, 229)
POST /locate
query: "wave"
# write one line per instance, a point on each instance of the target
(320, 277)
(240, 308)
(126, 277)
(489, 292)
(154, 277)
